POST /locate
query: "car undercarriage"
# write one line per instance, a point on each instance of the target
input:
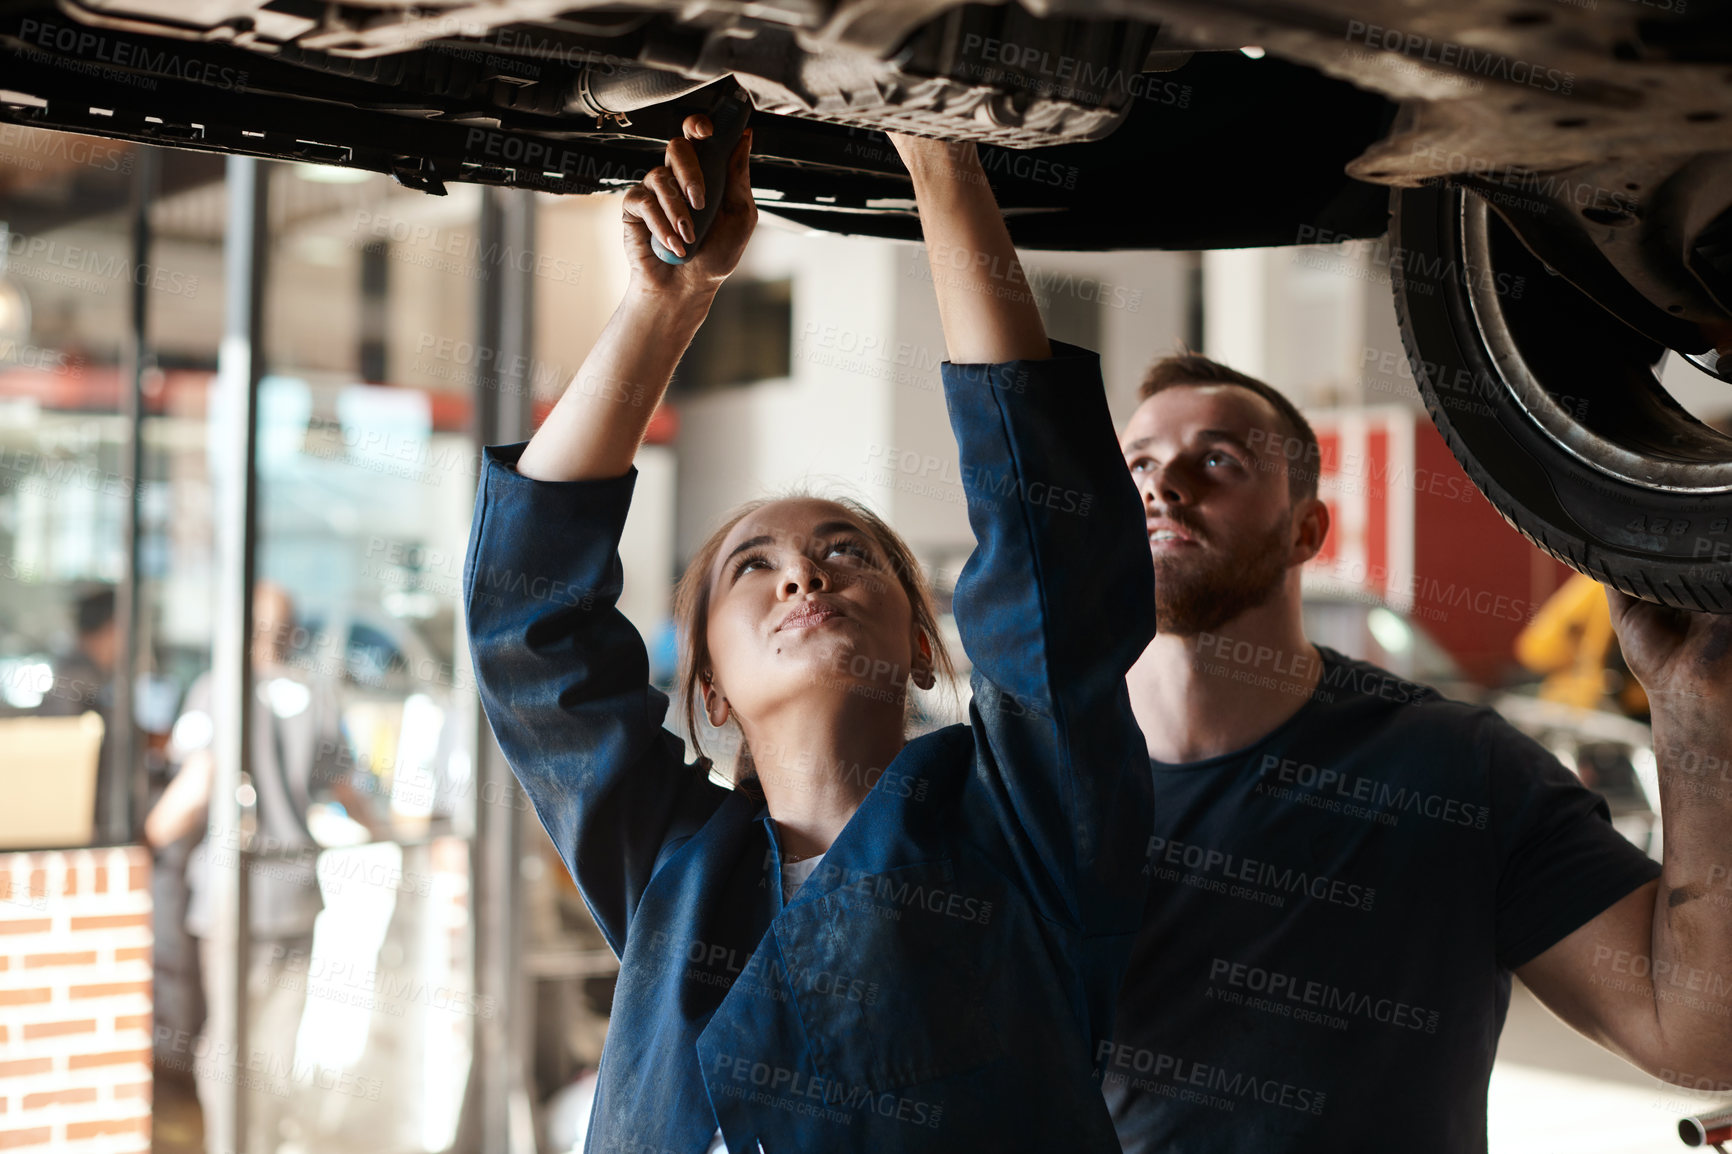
(1583, 148)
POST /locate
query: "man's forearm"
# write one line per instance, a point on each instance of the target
(594, 431)
(1692, 939)
(984, 300)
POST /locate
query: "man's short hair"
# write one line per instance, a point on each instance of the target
(1300, 448)
(94, 611)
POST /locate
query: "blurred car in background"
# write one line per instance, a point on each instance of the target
(398, 721)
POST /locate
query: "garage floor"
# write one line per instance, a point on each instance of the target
(177, 1125)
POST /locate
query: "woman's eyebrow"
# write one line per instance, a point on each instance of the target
(757, 542)
(830, 528)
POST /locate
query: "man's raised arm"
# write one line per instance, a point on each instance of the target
(1651, 977)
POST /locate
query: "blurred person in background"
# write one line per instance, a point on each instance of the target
(296, 751)
(1346, 867)
(84, 677)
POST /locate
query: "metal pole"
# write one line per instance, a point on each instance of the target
(239, 367)
(504, 410)
(123, 796)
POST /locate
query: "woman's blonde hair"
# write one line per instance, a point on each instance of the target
(692, 606)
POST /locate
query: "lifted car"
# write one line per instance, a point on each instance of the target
(1555, 180)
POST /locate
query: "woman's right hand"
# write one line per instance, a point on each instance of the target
(659, 205)
(594, 431)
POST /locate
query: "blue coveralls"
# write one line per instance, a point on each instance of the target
(944, 979)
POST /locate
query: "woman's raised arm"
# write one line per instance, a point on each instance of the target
(988, 310)
(562, 673)
(1057, 600)
(594, 431)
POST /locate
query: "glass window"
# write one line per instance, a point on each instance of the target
(365, 485)
(66, 274)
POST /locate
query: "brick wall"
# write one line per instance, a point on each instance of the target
(75, 1006)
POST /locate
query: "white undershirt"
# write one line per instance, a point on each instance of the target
(794, 875)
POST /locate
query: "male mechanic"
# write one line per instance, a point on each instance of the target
(1346, 868)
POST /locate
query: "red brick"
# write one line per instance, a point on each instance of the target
(3, 1033)
(135, 1090)
(110, 989)
(132, 1022)
(12, 1139)
(5, 964)
(39, 883)
(59, 1029)
(71, 889)
(101, 879)
(83, 958)
(59, 1097)
(76, 1131)
(138, 877)
(26, 925)
(26, 1066)
(107, 922)
(111, 1058)
(132, 954)
(25, 997)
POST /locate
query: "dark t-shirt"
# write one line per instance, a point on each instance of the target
(1333, 915)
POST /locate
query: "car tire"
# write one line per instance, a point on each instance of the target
(1555, 409)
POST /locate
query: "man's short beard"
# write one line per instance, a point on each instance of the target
(1199, 595)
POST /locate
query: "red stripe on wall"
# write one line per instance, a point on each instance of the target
(1329, 465)
(1377, 509)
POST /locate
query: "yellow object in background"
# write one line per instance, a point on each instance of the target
(1571, 641)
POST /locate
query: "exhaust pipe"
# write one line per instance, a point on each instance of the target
(609, 90)
(1707, 1129)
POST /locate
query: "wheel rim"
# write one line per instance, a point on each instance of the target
(1600, 401)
